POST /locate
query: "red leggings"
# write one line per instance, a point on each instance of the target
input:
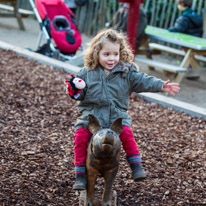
(82, 137)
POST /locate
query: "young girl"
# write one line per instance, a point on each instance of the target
(110, 77)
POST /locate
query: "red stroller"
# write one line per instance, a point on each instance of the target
(57, 24)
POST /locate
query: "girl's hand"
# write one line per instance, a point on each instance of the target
(170, 88)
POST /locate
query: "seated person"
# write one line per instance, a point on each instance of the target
(189, 22)
(119, 22)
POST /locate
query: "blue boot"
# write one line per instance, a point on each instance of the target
(80, 174)
(135, 164)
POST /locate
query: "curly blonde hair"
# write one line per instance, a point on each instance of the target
(91, 55)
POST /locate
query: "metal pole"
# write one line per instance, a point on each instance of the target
(42, 26)
(132, 23)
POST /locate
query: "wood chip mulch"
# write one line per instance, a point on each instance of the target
(36, 144)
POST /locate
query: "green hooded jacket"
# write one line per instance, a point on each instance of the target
(107, 97)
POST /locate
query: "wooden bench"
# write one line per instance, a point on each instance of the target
(160, 47)
(23, 12)
(193, 49)
(13, 10)
(176, 70)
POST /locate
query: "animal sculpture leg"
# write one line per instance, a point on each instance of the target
(91, 179)
(109, 177)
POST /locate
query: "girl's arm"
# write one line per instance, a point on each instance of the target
(170, 88)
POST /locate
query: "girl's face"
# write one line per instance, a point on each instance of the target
(109, 55)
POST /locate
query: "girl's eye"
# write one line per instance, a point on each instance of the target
(116, 54)
(106, 54)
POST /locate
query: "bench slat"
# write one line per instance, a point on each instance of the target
(174, 51)
(161, 65)
(11, 8)
(166, 48)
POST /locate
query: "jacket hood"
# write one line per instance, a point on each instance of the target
(125, 67)
(195, 18)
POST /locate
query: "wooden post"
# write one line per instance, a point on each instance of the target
(15, 9)
(132, 21)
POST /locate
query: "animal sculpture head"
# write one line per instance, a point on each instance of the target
(105, 142)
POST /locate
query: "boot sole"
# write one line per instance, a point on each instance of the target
(79, 187)
(137, 179)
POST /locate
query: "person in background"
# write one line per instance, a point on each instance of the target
(189, 22)
(119, 22)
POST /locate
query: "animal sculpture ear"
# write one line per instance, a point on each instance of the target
(94, 125)
(117, 126)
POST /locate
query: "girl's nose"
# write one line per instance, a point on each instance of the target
(111, 57)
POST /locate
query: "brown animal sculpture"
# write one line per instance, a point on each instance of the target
(103, 157)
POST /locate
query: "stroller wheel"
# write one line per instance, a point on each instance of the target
(56, 54)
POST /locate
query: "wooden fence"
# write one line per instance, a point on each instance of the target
(160, 13)
(93, 16)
